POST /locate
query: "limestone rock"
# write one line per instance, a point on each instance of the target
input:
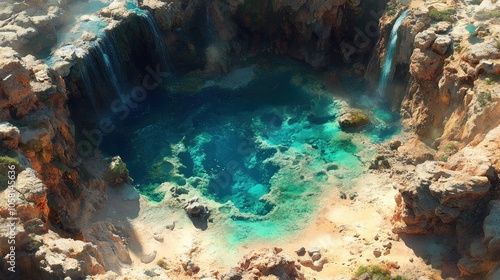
(110, 244)
(14, 85)
(9, 135)
(442, 27)
(482, 51)
(353, 119)
(436, 197)
(268, 262)
(425, 64)
(442, 44)
(62, 258)
(425, 39)
(195, 209)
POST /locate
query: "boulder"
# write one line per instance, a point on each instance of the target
(441, 44)
(9, 136)
(482, 51)
(425, 39)
(117, 172)
(353, 119)
(425, 64)
(268, 262)
(436, 197)
(63, 257)
(194, 209)
(442, 27)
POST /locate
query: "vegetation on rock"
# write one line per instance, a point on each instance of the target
(445, 15)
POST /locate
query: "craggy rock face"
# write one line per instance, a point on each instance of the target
(266, 262)
(451, 97)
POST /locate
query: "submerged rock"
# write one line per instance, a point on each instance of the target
(353, 119)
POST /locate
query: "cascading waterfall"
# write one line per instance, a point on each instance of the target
(386, 69)
(160, 47)
(105, 75)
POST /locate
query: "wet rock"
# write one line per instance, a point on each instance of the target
(149, 257)
(117, 172)
(379, 162)
(353, 119)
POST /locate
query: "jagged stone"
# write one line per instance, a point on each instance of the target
(442, 44)
(268, 262)
(425, 39)
(436, 197)
(69, 258)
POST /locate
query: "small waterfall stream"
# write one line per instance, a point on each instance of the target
(386, 69)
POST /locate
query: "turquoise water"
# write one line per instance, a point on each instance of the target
(265, 150)
(471, 28)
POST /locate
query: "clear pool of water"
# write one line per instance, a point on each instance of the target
(264, 149)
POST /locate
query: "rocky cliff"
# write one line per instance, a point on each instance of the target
(444, 77)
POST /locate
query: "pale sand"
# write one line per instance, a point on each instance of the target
(344, 231)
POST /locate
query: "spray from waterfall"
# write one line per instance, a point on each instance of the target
(386, 69)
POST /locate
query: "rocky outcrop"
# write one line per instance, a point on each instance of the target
(110, 244)
(265, 263)
(455, 198)
(62, 258)
(30, 26)
(438, 196)
(451, 95)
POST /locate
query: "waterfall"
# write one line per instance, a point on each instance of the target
(160, 47)
(386, 69)
(104, 73)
